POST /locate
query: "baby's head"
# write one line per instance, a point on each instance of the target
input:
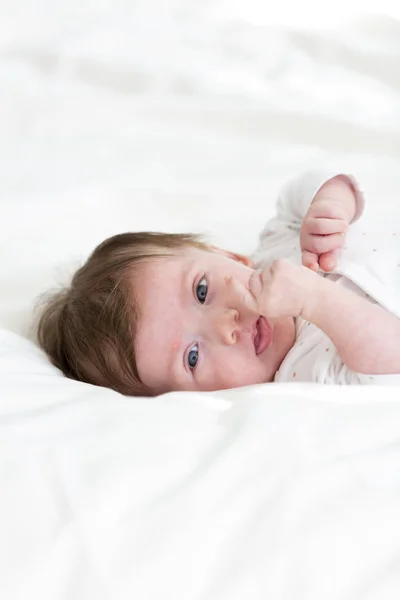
(153, 312)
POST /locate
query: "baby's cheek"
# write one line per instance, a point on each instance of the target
(238, 371)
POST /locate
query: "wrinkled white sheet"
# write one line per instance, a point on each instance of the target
(170, 116)
(284, 492)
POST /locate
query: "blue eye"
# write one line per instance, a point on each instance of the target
(193, 356)
(202, 290)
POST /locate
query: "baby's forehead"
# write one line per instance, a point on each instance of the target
(161, 316)
(157, 280)
(170, 261)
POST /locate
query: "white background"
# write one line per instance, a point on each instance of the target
(178, 115)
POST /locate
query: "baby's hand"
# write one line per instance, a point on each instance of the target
(323, 233)
(280, 290)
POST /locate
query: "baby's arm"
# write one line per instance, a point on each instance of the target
(366, 336)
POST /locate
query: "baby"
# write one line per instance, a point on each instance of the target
(150, 313)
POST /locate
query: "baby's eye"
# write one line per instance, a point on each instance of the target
(193, 356)
(202, 290)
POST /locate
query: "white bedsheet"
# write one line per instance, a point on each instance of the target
(284, 492)
(170, 116)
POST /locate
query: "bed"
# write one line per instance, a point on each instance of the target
(186, 116)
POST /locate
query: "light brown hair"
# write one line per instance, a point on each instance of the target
(88, 328)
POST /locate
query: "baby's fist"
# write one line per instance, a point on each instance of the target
(323, 234)
(280, 290)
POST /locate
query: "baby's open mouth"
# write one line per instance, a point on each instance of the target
(263, 337)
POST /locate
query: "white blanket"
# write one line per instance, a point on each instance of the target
(170, 115)
(283, 492)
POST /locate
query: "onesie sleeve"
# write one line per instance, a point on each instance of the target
(280, 236)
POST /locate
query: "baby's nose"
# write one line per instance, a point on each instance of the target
(226, 326)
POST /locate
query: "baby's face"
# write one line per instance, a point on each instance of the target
(195, 334)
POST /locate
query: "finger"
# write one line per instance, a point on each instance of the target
(322, 226)
(310, 260)
(327, 208)
(244, 295)
(328, 260)
(256, 282)
(323, 243)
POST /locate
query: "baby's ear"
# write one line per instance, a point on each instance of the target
(245, 260)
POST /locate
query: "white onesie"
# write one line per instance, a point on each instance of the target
(368, 264)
